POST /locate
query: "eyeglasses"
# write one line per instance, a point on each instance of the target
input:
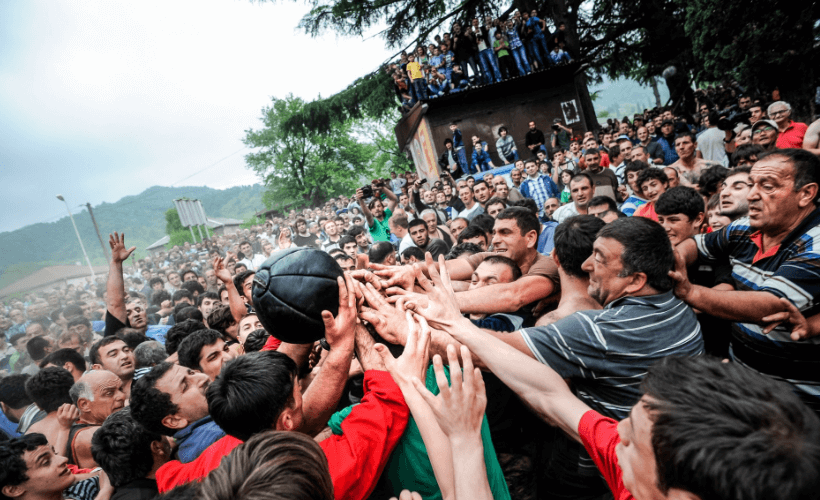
(767, 128)
(778, 113)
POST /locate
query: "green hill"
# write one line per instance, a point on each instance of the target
(140, 217)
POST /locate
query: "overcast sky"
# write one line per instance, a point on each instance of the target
(102, 99)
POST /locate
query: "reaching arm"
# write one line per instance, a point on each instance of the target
(365, 209)
(115, 286)
(505, 297)
(238, 309)
(392, 199)
(323, 394)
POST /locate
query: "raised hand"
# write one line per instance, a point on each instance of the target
(791, 315)
(67, 414)
(119, 253)
(221, 271)
(412, 364)
(388, 320)
(396, 276)
(438, 303)
(459, 407)
(340, 329)
(683, 287)
(407, 495)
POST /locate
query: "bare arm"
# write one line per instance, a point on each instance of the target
(365, 209)
(238, 309)
(392, 199)
(811, 141)
(505, 297)
(323, 394)
(115, 286)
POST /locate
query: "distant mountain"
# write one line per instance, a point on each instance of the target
(625, 97)
(140, 217)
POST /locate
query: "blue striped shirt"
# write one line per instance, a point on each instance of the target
(792, 272)
(607, 352)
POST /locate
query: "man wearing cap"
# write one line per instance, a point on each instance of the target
(790, 133)
(765, 134)
(667, 142)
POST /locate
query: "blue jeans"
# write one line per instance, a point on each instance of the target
(512, 158)
(489, 66)
(438, 90)
(471, 62)
(421, 91)
(520, 55)
(538, 48)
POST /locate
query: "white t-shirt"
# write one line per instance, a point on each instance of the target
(710, 145)
(564, 212)
(406, 243)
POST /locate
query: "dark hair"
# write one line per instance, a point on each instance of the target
(148, 404)
(473, 231)
(525, 219)
(614, 151)
(603, 200)
(485, 222)
(412, 252)
(13, 467)
(206, 295)
(185, 311)
(256, 340)
(344, 240)
(154, 281)
(573, 242)
(49, 388)
(355, 231)
(72, 310)
(495, 200)
(94, 352)
(160, 296)
(592, 151)
(192, 286)
(122, 447)
(746, 152)
(680, 200)
(239, 280)
(461, 249)
(711, 179)
(690, 135)
(179, 331)
(635, 166)
(36, 348)
(582, 175)
(182, 294)
(63, 356)
(272, 465)
(806, 166)
(649, 174)
(379, 251)
(527, 203)
(506, 261)
(251, 392)
(132, 337)
(721, 430)
(480, 181)
(417, 222)
(221, 318)
(646, 249)
(13, 391)
(189, 351)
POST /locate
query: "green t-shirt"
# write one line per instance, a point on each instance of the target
(380, 230)
(409, 467)
(502, 52)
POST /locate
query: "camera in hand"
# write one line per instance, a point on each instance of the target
(730, 118)
(367, 191)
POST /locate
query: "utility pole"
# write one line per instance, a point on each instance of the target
(96, 228)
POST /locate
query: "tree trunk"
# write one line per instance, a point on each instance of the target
(653, 81)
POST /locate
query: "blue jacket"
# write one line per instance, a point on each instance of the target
(549, 186)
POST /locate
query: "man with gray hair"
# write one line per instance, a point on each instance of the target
(97, 394)
(790, 132)
(147, 355)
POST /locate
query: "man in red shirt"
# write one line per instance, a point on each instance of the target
(791, 133)
(703, 429)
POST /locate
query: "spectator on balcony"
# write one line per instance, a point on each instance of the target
(535, 140)
(458, 80)
(558, 56)
(465, 49)
(502, 51)
(517, 49)
(448, 161)
(439, 85)
(481, 158)
(486, 56)
(447, 61)
(538, 43)
(458, 146)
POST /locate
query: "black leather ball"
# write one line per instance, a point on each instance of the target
(290, 291)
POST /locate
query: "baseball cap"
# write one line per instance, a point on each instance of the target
(761, 123)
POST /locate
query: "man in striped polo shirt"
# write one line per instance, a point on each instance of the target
(774, 254)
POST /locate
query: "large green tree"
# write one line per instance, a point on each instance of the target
(304, 166)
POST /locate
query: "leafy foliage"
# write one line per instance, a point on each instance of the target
(301, 166)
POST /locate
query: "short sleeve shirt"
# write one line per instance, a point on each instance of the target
(599, 436)
(607, 352)
(380, 230)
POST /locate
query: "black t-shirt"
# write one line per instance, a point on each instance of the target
(113, 325)
(138, 489)
(305, 241)
(534, 137)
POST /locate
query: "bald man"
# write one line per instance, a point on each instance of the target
(97, 394)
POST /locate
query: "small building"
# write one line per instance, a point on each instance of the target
(157, 247)
(51, 277)
(222, 226)
(542, 96)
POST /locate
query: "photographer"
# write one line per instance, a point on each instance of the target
(561, 135)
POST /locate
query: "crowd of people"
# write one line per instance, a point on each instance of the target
(628, 314)
(478, 53)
